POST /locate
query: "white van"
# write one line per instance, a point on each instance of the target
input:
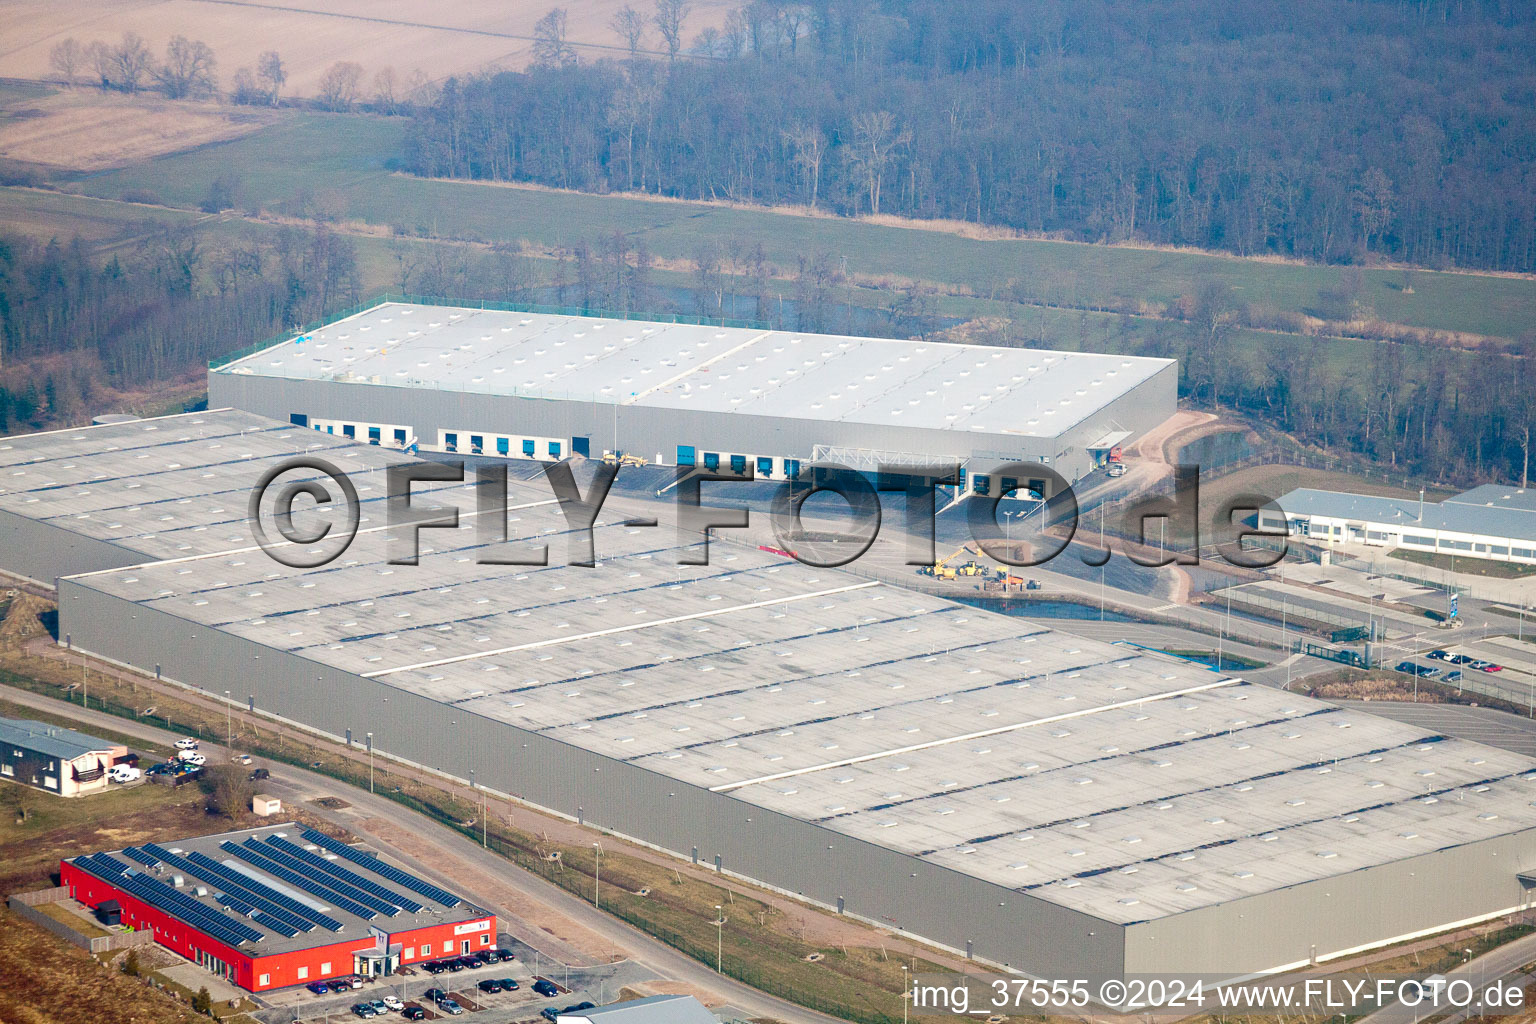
(125, 773)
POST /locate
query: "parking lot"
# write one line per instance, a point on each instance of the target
(575, 985)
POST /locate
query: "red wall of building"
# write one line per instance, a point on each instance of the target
(281, 969)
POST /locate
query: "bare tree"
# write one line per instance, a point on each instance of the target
(670, 16)
(188, 69)
(629, 25)
(733, 37)
(706, 43)
(875, 141)
(420, 90)
(244, 90)
(550, 48)
(271, 73)
(810, 147)
(98, 57)
(339, 85)
(67, 57)
(131, 61)
(1374, 201)
(386, 91)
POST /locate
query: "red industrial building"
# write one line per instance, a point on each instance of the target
(280, 905)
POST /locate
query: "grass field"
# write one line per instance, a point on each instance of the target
(87, 129)
(48, 981)
(345, 161)
(1476, 566)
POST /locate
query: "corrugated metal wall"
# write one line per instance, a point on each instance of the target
(648, 430)
(43, 552)
(786, 853)
(1316, 919)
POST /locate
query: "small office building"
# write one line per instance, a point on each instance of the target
(52, 758)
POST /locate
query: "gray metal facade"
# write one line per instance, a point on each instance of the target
(651, 430)
(882, 885)
(1283, 927)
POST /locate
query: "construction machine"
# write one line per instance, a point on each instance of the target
(621, 459)
(942, 570)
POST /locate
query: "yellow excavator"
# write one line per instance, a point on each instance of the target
(942, 570)
(620, 459)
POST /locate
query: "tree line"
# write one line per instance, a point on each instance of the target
(189, 71)
(75, 328)
(1327, 131)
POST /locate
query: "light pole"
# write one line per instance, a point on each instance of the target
(370, 762)
(906, 997)
(597, 888)
(719, 939)
(228, 728)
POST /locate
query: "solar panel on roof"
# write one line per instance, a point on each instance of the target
(378, 867)
(140, 856)
(343, 876)
(276, 908)
(367, 896)
(272, 867)
(186, 909)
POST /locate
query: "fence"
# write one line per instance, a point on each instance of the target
(503, 307)
(25, 904)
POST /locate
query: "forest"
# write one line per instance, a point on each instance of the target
(74, 327)
(1378, 130)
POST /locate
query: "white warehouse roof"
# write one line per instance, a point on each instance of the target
(925, 384)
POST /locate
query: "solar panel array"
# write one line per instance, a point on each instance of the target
(277, 911)
(172, 901)
(378, 867)
(256, 858)
(140, 856)
(394, 900)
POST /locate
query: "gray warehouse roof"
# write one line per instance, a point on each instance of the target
(1490, 510)
(706, 368)
(1096, 776)
(52, 740)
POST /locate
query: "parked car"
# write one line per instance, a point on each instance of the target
(469, 963)
(505, 953)
(257, 774)
(1460, 659)
(1453, 676)
(579, 1007)
(355, 981)
(450, 1007)
(1439, 655)
(186, 744)
(508, 984)
(380, 1007)
(319, 988)
(414, 1013)
(193, 757)
(549, 1013)
(454, 965)
(488, 956)
(124, 773)
(433, 967)
(363, 1010)
(434, 994)
(489, 985)
(165, 768)
(392, 1003)
(546, 988)
(1487, 666)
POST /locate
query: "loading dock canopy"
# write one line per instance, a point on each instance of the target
(1109, 441)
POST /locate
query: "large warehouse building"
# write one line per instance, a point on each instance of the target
(541, 386)
(1046, 802)
(278, 906)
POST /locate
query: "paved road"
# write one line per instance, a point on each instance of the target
(1481, 972)
(297, 785)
